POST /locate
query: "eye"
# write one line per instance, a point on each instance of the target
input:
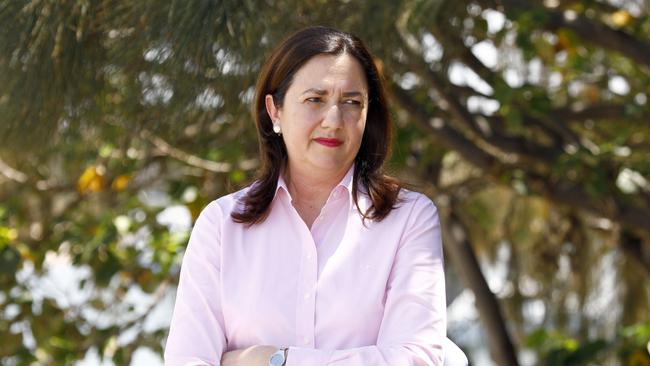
(314, 100)
(352, 102)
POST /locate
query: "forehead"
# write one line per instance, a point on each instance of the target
(331, 71)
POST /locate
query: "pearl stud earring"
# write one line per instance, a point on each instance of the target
(277, 129)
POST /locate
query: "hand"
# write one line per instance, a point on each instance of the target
(251, 356)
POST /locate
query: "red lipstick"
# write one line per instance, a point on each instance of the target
(328, 142)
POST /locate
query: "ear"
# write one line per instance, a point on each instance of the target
(273, 112)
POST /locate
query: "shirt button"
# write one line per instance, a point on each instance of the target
(308, 256)
(307, 295)
(305, 340)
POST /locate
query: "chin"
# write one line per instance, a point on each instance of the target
(329, 164)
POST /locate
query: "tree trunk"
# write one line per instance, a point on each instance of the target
(459, 249)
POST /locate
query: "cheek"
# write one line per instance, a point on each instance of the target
(298, 131)
(361, 126)
(356, 135)
(303, 119)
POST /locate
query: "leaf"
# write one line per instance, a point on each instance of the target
(120, 182)
(91, 180)
(621, 18)
(9, 262)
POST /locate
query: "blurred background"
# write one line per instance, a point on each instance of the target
(527, 123)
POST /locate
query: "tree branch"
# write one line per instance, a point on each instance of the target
(613, 207)
(448, 136)
(592, 32)
(524, 148)
(462, 254)
(563, 192)
(12, 173)
(194, 160)
(595, 112)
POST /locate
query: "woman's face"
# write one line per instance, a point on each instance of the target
(323, 115)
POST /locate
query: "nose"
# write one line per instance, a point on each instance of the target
(333, 117)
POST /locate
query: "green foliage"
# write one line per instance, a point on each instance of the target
(560, 350)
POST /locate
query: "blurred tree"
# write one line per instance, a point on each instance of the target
(526, 121)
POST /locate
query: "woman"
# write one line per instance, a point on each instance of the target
(323, 260)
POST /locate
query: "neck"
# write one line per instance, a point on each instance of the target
(309, 187)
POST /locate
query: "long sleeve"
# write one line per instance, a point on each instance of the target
(413, 327)
(196, 335)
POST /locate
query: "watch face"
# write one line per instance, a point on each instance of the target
(277, 359)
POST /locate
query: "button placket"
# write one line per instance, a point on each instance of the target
(306, 305)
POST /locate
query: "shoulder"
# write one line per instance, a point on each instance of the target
(232, 201)
(223, 206)
(408, 203)
(415, 202)
(421, 220)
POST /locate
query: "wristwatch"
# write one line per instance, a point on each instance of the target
(279, 358)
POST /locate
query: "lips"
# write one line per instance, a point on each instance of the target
(328, 142)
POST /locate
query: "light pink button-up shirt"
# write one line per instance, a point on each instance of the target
(340, 294)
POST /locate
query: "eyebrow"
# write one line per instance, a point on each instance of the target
(324, 92)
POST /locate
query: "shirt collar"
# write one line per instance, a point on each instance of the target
(345, 183)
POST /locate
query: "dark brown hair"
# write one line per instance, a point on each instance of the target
(275, 78)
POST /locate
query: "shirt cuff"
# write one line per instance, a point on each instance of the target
(298, 356)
